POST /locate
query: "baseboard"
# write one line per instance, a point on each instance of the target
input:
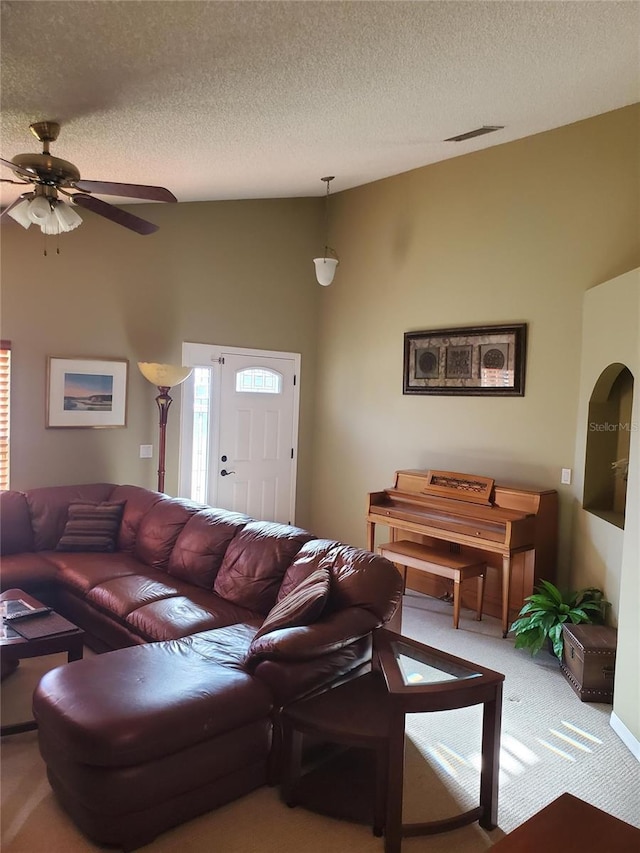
(632, 743)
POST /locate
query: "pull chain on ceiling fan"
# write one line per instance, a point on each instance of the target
(52, 176)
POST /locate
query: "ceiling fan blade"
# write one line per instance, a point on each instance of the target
(16, 202)
(17, 169)
(115, 214)
(125, 190)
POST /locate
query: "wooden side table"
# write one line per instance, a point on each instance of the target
(14, 648)
(370, 711)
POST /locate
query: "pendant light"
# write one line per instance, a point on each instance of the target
(326, 266)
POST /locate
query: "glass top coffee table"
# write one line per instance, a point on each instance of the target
(369, 711)
(14, 647)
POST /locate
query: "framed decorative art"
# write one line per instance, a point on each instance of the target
(86, 392)
(480, 360)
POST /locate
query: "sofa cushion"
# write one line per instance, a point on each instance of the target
(159, 530)
(137, 704)
(91, 527)
(255, 562)
(301, 606)
(119, 596)
(180, 615)
(49, 505)
(16, 534)
(201, 545)
(80, 572)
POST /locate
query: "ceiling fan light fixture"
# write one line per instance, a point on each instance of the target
(50, 175)
(66, 216)
(20, 212)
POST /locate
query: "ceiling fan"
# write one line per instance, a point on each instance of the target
(52, 176)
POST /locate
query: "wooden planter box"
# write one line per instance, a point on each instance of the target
(588, 660)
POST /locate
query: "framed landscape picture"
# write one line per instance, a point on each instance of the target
(480, 360)
(86, 392)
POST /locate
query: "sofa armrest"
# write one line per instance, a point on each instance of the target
(307, 642)
(291, 680)
(16, 534)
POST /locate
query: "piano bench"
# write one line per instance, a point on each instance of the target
(455, 567)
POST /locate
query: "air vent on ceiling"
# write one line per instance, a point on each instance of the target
(479, 131)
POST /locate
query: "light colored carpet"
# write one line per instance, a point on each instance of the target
(551, 743)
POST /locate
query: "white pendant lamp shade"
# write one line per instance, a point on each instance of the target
(325, 270)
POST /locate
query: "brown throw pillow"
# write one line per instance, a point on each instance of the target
(301, 606)
(91, 527)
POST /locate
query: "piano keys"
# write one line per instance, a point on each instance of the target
(515, 530)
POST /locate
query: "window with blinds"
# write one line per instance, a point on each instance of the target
(5, 387)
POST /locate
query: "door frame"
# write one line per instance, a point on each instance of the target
(211, 355)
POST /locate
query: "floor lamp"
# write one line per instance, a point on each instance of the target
(164, 377)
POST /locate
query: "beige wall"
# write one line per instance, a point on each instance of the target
(235, 273)
(604, 554)
(513, 233)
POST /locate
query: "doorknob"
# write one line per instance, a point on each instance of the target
(225, 473)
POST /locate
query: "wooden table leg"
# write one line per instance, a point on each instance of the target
(490, 772)
(7, 667)
(76, 650)
(382, 786)
(395, 780)
(291, 762)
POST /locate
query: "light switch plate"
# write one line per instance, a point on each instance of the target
(146, 451)
(565, 479)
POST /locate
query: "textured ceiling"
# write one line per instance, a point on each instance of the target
(220, 100)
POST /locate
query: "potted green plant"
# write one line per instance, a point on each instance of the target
(544, 613)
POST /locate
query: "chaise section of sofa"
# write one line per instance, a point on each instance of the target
(127, 764)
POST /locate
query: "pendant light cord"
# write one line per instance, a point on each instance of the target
(327, 247)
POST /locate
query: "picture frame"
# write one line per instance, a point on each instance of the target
(86, 392)
(483, 361)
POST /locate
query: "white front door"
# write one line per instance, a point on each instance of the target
(251, 441)
(256, 436)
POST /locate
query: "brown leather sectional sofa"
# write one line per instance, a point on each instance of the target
(181, 714)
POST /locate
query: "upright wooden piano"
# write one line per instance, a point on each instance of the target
(514, 530)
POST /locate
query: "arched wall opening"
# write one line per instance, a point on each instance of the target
(608, 444)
